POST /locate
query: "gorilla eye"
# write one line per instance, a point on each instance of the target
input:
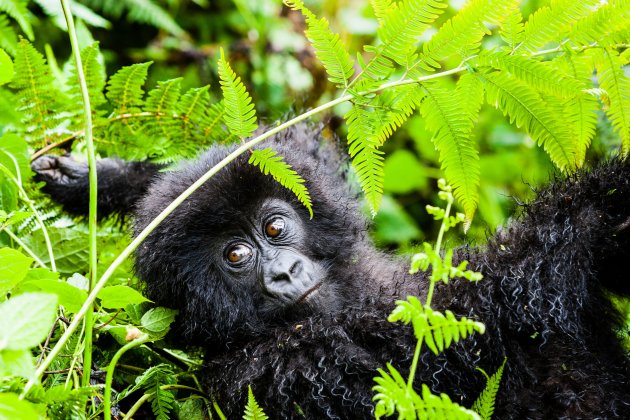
(239, 253)
(274, 228)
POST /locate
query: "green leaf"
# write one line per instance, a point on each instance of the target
(158, 320)
(6, 68)
(270, 163)
(115, 297)
(484, 404)
(327, 45)
(26, 319)
(240, 115)
(94, 73)
(252, 409)
(124, 89)
(14, 156)
(512, 29)
(12, 407)
(17, 9)
(70, 297)
(17, 363)
(13, 268)
(600, 26)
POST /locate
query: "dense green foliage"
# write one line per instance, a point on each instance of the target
(413, 102)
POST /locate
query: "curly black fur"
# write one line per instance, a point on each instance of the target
(544, 298)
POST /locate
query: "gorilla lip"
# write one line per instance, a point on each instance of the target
(308, 293)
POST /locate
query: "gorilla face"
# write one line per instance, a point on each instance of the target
(268, 254)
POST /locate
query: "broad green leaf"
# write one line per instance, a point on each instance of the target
(6, 68)
(158, 320)
(120, 296)
(26, 319)
(70, 297)
(13, 268)
(13, 408)
(16, 363)
(68, 244)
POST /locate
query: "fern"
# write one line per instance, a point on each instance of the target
(200, 118)
(252, 409)
(611, 17)
(548, 22)
(163, 101)
(451, 125)
(526, 108)
(8, 38)
(94, 73)
(484, 404)
(18, 11)
(436, 329)
(240, 115)
(381, 8)
(153, 381)
(394, 396)
(141, 11)
(327, 45)
(39, 98)
(124, 89)
(462, 33)
(512, 29)
(270, 163)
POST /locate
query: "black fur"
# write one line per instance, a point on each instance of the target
(543, 299)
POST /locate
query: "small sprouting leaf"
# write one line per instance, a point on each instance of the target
(115, 297)
(158, 320)
(484, 405)
(26, 319)
(252, 409)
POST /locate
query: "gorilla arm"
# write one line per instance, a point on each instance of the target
(120, 183)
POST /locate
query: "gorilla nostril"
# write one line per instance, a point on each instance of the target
(296, 268)
(281, 277)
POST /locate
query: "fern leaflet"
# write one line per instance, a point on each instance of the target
(240, 115)
(611, 17)
(162, 101)
(327, 45)
(270, 163)
(617, 86)
(124, 89)
(8, 38)
(94, 72)
(526, 108)
(484, 404)
(451, 125)
(512, 30)
(381, 8)
(252, 409)
(18, 11)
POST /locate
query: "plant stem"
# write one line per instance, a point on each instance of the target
(24, 247)
(175, 203)
(87, 111)
(107, 394)
(136, 406)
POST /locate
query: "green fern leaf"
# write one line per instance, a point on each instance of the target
(451, 125)
(94, 73)
(124, 89)
(470, 93)
(399, 32)
(8, 37)
(17, 10)
(381, 8)
(270, 163)
(398, 104)
(202, 120)
(39, 98)
(581, 108)
(141, 11)
(617, 86)
(327, 45)
(162, 402)
(541, 76)
(600, 25)
(484, 404)
(512, 30)
(526, 108)
(252, 409)
(462, 34)
(162, 103)
(240, 115)
(550, 22)
(437, 330)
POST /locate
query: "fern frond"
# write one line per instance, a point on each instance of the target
(8, 37)
(327, 45)
(367, 159)
(610, 17)
(141, 11)
(437, 330)
(94, 72)
(381, 8)
(240, 115)
(484, 404)
(162, 402)
(270, 163)
(394, 396)
(526, 108)
(201, 119)
(550, 22)
(512, 30)
(162, 102)
(124, 88)
(39, 98)
(18, 11)
(617, 85)
(252, 409)
(462, 34)
(399, 104)
(542, 76)
(581, 108)
(399, 32)
(451, 125)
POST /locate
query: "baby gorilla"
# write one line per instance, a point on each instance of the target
(298, 307)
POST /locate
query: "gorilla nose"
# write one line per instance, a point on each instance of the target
(283, 274)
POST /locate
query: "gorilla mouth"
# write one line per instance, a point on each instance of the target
(308, 293)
